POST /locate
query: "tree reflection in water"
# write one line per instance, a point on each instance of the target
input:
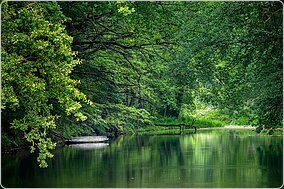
(206, 159)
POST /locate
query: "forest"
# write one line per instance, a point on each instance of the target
(111, 68)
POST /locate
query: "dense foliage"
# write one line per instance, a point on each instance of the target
(36, 62)
(78, 68)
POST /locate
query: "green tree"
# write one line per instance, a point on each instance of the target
(124, 57)
(235, 51)
(36, 62)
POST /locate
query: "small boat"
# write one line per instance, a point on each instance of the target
(87, 139)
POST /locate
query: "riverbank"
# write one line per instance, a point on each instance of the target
(168, 130)
(154, 130)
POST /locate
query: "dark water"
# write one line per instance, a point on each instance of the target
(206, 159)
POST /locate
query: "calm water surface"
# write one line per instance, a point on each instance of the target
(206, 159)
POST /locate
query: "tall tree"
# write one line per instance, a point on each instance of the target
(235, 53)
(122, 59)
(36, 63)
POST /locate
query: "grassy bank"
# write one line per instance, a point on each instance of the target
(198, 122)
(201, 122)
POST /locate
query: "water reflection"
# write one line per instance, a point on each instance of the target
(205, 159)
(88, 145)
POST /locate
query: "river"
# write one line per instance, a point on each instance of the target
(211, 158)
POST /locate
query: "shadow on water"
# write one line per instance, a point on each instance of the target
(205, 159)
